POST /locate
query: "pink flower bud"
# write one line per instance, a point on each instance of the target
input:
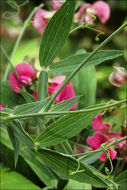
(118, 77)
(41, 18)
(1, 107)
(25, 75)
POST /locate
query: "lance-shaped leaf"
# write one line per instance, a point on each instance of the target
(65, 128)
(65, 166)
(28, 97)
(37, 165)
(14, 142)
(20, 133)
(65, 105)
(56, 33)
(42, 91)
(32, 107)
(70, 63)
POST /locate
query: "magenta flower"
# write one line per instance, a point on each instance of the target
(118, 77)
(35, 94)
(1, 107)
(98, 124)
(41, 18)
(57, 4)
(25, 75)
(96, 141)
(66, 93)
(87, 10)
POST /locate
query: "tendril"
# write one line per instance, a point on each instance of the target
(104, 147)
(76, 171)
(13, 4)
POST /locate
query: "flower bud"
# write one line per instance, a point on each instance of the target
(118, 77)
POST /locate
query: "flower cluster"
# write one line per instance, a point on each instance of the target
(103, 134)
(27, 74)
(86, 13)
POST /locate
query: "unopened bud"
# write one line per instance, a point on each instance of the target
(118, 77)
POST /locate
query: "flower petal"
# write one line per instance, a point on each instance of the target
(14, 82)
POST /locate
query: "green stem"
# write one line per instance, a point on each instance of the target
(83, 63)
(19, 38)
(66, 112)
(11, 64)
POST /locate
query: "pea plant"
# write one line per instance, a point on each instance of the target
(38, 125)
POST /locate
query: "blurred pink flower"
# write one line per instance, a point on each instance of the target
(57, 4)
(102, 10)
(66, 93)
(35, 94)
(96, 141)
(98, 124)
(118, 77)
(41, 18)
(87, 10)
(25, 74)
(1, 107)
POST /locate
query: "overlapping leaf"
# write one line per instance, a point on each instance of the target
(56, 33)
(65, 128)
(70, 63)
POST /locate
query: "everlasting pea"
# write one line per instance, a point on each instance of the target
(25, 75)
(1, 107)
(87, 10)
(96, 141)
(66, 93)
(98, 124)
(41, 18)
(118, 77)
(57, 4)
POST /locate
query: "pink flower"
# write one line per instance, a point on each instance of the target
(102, 10)
(57, 4)
(25, 74)
(66, 93)
(98, 124)
(118, 77)
(87, 10)
(96, 141)
(35, 94)
(1, 107)
(41, 18)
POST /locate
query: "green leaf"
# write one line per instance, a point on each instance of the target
(20, 133)
(13, 180)
(27, 108)
(8, 97)
(64, 165)
(56, 33)
(75, 185)
(70, 63)
(65, 105)
(65, 128)
(90, 157)
(121, 180)
(85, 84)
(14, 141)
(37, 165)
(28, 97)
(42, 91)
